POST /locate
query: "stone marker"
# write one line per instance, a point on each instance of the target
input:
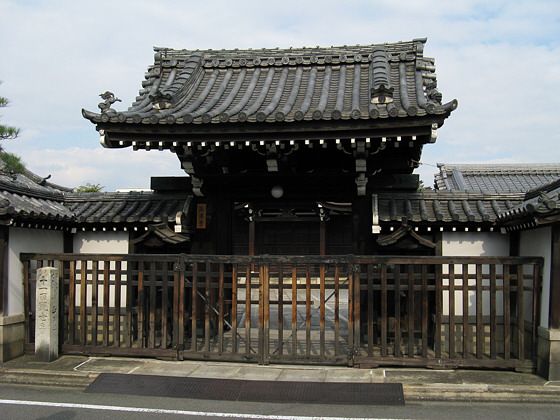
(46, 315)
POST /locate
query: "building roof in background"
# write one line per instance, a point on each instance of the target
(28, 196)
(276, 85)
(445, 207)
(128, 207)
(495, 178)
(541, 206)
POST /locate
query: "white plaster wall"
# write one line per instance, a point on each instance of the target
(472, 244)
(476, 244)
(26, 240)
(538, 243)
(101, 242)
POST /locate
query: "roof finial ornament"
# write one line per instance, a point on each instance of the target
(110, 99)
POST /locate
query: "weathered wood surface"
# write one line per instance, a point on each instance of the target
(317, 309)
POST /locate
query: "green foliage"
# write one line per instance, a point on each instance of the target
(12, 163)
(89, 188)
(6, 132)
(421, 186)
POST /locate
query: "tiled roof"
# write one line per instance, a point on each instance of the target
(275, 85)
(444, 206)
(28, 199)
(27, 196)
(540, 206)
(127, 208)
(26, 207)
(495, 177)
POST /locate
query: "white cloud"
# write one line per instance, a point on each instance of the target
(112, 168)
(500, 59)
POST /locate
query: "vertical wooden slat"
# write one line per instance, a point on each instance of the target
(266, 313)
(194, 306)
(71, 302)
(260, 339)
(383, 310)
(398, 352)
(425, 314)
(128, 314)
(207, 305)
(141, 306)
(465, 311)
(248, 311)
(153, 306)
(117, 305)
(308, 310)
(164, 303)
(356, 308)
(294, 309)
(83, 303)
(177, 310)
(94, 301)
(451, 311)
(536, 300)
(438, 309)
(336, 310)
(322, 308)
(507, 313)
(520, 314)
(479, 327)
(493, 317)
(234, 309)
(221, 294)
(370, 315)
(181, 301)
(26, 302)
(411, 311)
(351, 305)
(106, 266)
(280, 309)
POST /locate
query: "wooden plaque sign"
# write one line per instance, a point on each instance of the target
(201, 216)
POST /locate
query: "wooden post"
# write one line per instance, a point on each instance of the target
(322, 238)
(554, 320)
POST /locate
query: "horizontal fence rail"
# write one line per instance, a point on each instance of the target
(447, 311)
(356, 310)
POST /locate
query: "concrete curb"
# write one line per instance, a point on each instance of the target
(412, 392)
(480, 393)
(45, 378)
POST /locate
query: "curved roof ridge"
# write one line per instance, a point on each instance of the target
(348, 82)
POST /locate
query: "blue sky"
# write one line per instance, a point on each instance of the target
(500, 59)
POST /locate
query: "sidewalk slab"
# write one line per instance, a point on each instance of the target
(101, 365)
(418, 384)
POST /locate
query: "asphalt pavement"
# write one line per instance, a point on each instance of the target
(418, 384)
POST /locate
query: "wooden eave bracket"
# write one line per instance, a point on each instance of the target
(401, 232)
(181, 218)
(163, 232)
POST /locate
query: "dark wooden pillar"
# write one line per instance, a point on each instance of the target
(514, 241)
(554, 321)
(361, 226)
(322, 238)
(223, 214)
(4, 230)
(68, 242)
(252, 237)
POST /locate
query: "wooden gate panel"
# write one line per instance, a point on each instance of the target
(452, 311)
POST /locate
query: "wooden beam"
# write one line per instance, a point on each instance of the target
(115, 133)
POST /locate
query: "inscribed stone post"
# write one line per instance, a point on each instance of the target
(46, 315)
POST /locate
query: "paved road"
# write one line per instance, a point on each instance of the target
(25, 402)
